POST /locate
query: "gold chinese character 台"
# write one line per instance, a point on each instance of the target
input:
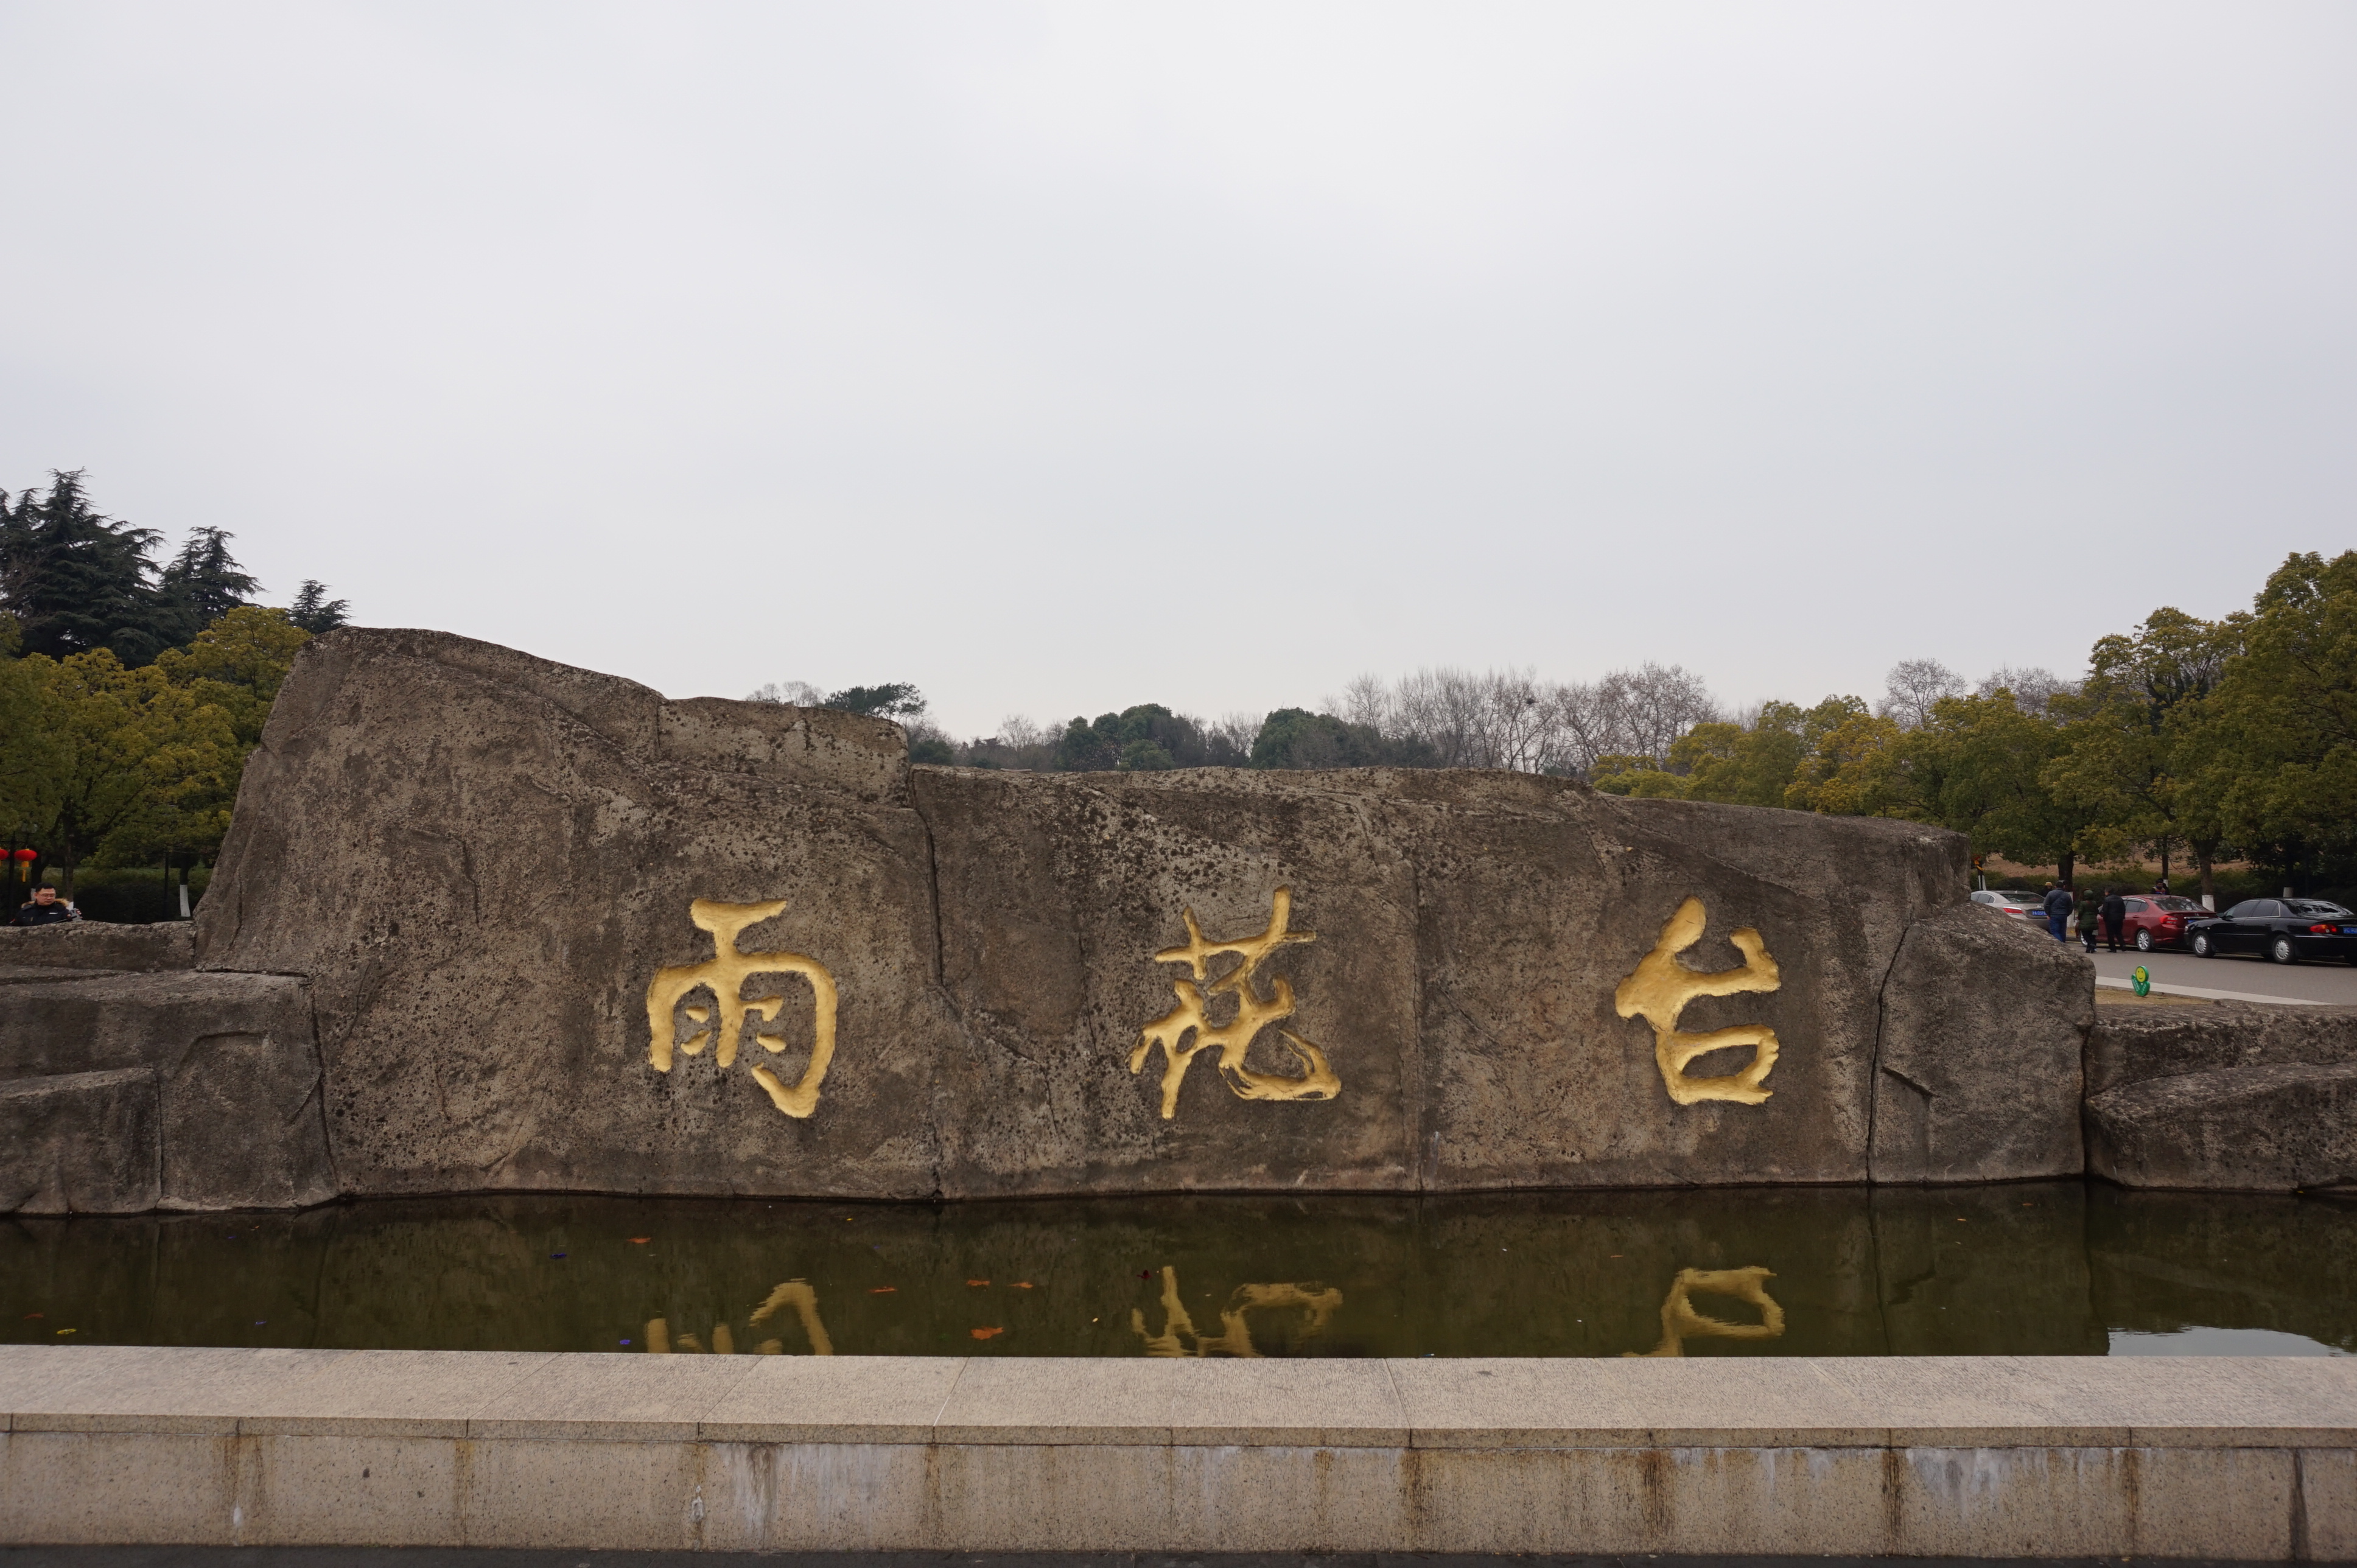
(1660, 987)
(724, 975)
(1253, 1014)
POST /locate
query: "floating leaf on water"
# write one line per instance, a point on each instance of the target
(986, 1332)
(882, 1290)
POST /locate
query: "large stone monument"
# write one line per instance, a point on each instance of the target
(553, 931)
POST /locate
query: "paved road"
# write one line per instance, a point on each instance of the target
(2318, 980)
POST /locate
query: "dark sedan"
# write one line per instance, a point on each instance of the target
(2285, 930)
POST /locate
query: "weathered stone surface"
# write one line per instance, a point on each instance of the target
(1984, 1025)
(1056, 893)
(81, 1143)
(230, 1069)
(96, 944)
(481, 859)
(1537, 897)
(2233, 1097)
(483, 862)
(2126, 1048)
(1470, 928)
(2286, 1128)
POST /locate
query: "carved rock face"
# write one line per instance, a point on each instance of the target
(486, 866)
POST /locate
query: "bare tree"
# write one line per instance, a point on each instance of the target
(799, 693)
(1657, 704)
(1019, 732)
(1914, 685)
(1510, 719)
(2032, 688)
(1233, 731)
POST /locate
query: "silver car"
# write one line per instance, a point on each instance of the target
(2012, 901)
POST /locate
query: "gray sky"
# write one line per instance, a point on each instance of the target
(1058, 357)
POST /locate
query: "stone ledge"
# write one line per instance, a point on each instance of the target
(2222, 1457)
(2158, 1401)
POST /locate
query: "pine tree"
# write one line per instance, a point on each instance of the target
(77, 580)
(203, 583)
(314, 612)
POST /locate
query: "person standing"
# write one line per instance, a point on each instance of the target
(2115, 914)
(45, 910)
(2085, 913)
(2057, 904)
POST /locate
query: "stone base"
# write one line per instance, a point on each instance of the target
(2226, 1098)
(124, 1093)
(2223, 1459)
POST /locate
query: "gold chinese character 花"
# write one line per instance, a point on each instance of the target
(1660, 987)
(1253, 1014)
(724, 975)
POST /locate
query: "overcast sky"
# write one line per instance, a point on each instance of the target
(1058, 357)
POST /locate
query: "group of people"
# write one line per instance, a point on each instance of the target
(2111, 911)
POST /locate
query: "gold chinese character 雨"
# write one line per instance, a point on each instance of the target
(1659, 989)
(1681, 1322)
(1253, 1014)
(725, 974)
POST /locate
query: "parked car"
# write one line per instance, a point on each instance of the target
(2285, 929)
(2012, 901)
(2159, 919)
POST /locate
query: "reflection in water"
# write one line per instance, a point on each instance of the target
(2038, 1269)
(1236, 1337)
(796, 1294)
(1681, 1322)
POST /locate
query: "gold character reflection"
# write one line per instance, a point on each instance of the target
(796, 1294)
(1660, 987)
(724, 975)
(1681, 1322)
(1179, 1337)
(1253, 1014)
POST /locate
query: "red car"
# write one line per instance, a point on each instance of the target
(2158, 919)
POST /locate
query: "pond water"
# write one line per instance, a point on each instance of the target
(2042, 1269)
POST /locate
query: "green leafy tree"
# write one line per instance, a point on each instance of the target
(29, 752)
(892, 699)
(2142, 734)
(140, 761)
(1296, 737)
(1744, 765)
(2280, 728)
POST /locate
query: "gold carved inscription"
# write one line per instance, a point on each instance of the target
(1179, 1339)
(1253, 1014)
(1681, 1322)
(1661, 986)
(722, 1021)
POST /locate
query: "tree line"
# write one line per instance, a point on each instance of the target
(131, 689)
(2232, 740)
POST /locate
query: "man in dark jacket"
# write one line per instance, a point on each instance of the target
(2058, 905)
(2115, 913)
(45, 910)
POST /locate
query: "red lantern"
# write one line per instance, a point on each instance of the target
(25, 858)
